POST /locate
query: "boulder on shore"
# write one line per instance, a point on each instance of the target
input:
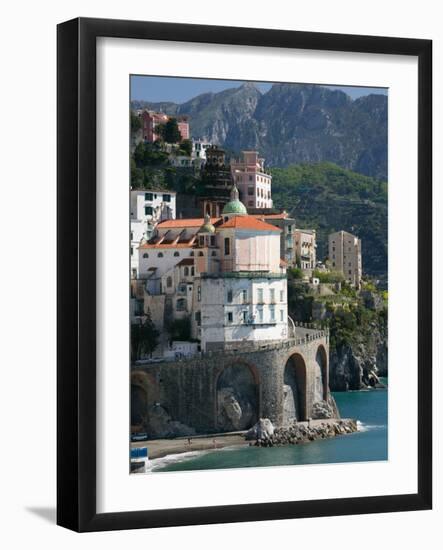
(262, 430)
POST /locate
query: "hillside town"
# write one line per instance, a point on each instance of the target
(218, 280)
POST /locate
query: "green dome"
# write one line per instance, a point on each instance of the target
(234, 206)
(207, 227)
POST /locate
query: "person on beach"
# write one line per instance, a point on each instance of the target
(215, 443)
(189, 441)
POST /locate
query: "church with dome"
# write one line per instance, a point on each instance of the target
(223, 273)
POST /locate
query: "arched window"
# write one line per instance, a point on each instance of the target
(181, 304)
(200, 253)
(160, 255)
(186, 271)
(176, 253)
(169, 282)
(145, 255)
(191, 253)
(192, 271)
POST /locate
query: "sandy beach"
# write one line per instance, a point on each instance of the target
(159, 448)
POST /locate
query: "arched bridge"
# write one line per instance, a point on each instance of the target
(230, 390)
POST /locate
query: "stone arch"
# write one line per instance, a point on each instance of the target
(237, 396)
(295, 389)
(321, 359)
(144, 394)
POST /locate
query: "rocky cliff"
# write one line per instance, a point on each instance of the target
(359, 363)
(292, 123)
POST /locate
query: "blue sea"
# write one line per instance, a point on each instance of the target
(369, 407)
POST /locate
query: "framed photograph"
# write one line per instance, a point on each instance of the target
(244, 216)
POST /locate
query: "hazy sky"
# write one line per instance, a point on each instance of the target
(164, 88)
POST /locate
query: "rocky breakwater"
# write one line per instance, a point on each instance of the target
(263, 434)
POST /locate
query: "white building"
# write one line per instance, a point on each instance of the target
(253, 182)
(199, 147)
(152, 206)
(148, 207)
(140, 230)
(345, 256)
(240, 294)
(306, 248)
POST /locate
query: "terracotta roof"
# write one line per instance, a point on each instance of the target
(280, 216)
(162, 245)
(186, 261)
(185, 222)
(248, 222)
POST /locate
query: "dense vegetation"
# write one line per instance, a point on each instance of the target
(144, 339)
(348, 318)
(150, 169)
(328, 198)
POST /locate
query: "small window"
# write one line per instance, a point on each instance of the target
(230, 317)
(250, 178)
(191, 253)
(198, 317)
(132, 251)
(272, 310)
(227, 246)
(213, 253)
(192, 271)
(186, 271)
(244, 294)
(199, 293)
(250, 190)
(148, 197)
(132, 236)
(229, 296)
(245, 316)
(282, 314)
(145, 255)
(260, 295)
(200, 253)
(176, 253)
(260, 315)
(212, 240)
(272, 295)
(160, 255)
(166, 198)
(169, 282)
(148, 210)
(282, 295)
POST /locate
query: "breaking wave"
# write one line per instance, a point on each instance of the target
(362, 427)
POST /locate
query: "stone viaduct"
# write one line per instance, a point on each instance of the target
(231, 390)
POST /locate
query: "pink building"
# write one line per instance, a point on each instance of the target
(150, 120)
(252, 181)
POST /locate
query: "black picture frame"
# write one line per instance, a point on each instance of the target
(76, 278)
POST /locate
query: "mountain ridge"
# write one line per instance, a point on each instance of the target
(291, 123)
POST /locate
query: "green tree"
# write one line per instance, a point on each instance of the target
(135, 123)
(186, 147)
(295, 273)
(180, 329)
(171, 133)
(144, 339)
